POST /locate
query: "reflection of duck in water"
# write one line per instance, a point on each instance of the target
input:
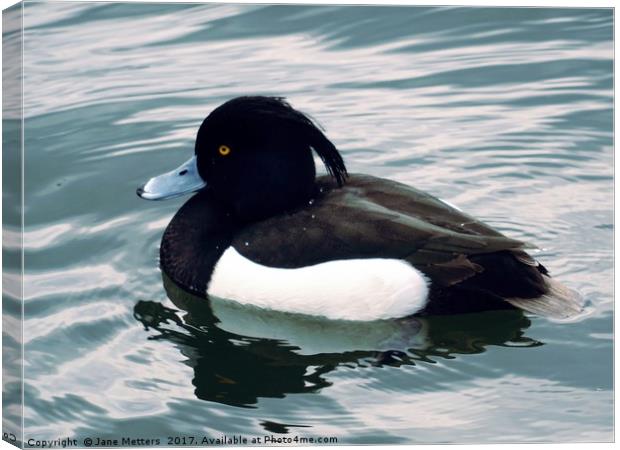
(240, 355)
(265, 232)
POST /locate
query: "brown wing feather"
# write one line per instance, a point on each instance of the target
(375, 218)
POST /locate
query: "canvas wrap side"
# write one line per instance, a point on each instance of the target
(12, 225)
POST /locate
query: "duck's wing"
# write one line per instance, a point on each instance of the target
(376, 218)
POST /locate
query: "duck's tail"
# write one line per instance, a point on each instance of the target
(559, 302)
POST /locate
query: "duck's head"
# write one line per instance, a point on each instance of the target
(254, 155)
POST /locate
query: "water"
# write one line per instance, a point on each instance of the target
(506, 113)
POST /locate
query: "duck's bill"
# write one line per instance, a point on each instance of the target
(183, 180)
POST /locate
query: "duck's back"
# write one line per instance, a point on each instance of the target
(374, 218)
(469, 265)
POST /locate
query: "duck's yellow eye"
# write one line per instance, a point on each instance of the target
(224, 150)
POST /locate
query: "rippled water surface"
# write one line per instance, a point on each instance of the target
(504, 112)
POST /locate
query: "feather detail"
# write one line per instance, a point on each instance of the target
(559, 302)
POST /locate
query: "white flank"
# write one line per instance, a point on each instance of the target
(355, 289)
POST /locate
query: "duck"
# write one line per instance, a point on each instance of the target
(265, 231)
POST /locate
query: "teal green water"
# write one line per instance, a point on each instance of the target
(506, 113)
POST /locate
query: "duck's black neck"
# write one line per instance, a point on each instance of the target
(203, 229)
(193, 242)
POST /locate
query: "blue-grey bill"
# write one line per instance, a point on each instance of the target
(183, 180)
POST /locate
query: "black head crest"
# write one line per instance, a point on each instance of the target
(266, 111)
(323, 147)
